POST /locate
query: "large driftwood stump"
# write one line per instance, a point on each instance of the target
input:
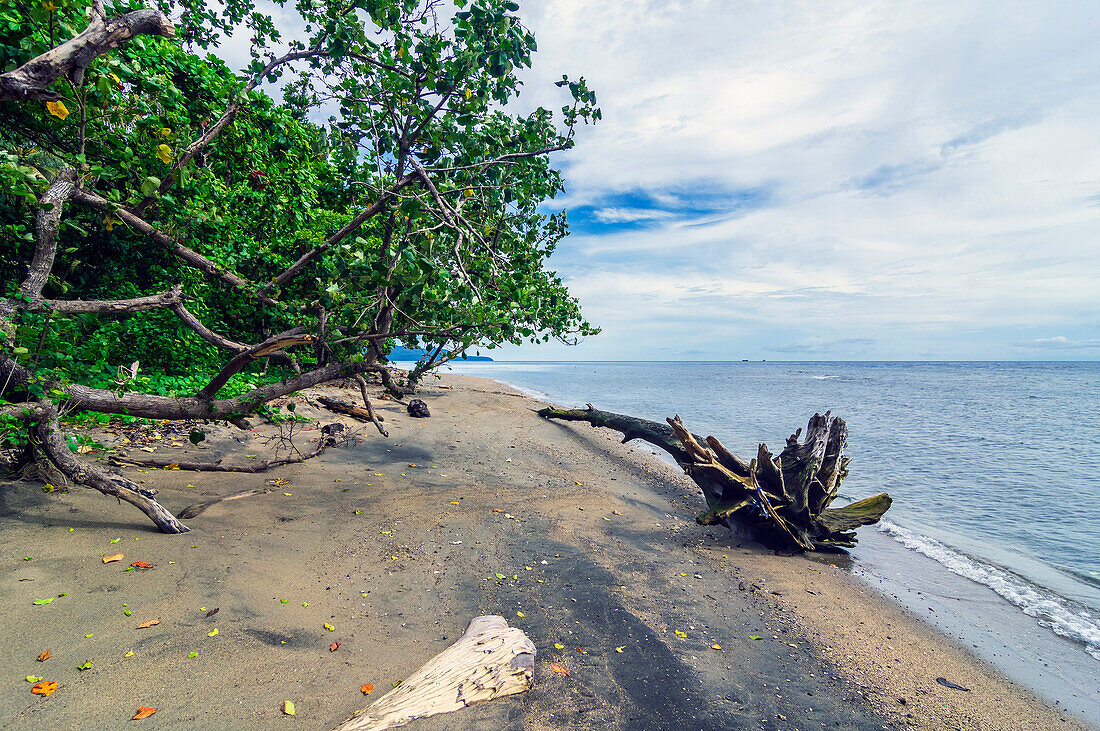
(782, 500)
(489, 660)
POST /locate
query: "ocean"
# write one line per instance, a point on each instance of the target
(994, 468)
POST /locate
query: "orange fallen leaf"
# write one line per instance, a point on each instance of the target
(116, 557)
(142, 565)
(44, 688)
(172, 466)
(366, 689)
(558, 668)
(333, 647)
(44, 656)
(497, 510)
(616, 512)
(148, 623)
(143, 712)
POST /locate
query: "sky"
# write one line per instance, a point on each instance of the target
(799, 180)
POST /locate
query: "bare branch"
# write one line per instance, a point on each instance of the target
(168, 298)
(242, 359)
(32, 79)
(370, 409)
(188, 255)
(49, 436)
(47, 218)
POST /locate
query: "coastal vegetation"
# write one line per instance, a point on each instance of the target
(184, 242)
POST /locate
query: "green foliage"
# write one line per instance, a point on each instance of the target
(452, 265)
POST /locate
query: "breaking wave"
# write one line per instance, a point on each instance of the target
(1052, 611)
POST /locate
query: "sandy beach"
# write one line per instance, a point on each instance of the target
(397, 543)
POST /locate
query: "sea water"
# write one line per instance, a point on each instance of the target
(994, 467)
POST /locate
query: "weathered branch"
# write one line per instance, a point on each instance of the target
(168, 407)
(340, 406)
(33, 79)
(272, 345)
(168, 298)
(782, 500)
(489, 660)
(204, 332)
(48, 434)
(47, 219)
(190, 256)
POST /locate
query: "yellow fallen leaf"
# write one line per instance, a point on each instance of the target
(33, 678)
(559, 646)
(680, 634)
(116, 557)
(129, 653)
(520, 614)
(454, 502)
(288, 708)
(212, 632)
(620, 648)
(57, 109)
(329, 627)
(716, 647)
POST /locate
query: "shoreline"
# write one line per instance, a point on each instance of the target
(976, 613)
(615, 561)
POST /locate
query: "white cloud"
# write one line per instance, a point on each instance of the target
(930, 171)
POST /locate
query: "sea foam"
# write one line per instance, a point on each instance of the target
(1051, 610)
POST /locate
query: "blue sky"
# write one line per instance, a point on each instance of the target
(853, 179)
(842, 180)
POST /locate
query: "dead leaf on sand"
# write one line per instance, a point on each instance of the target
(142, 565)
(46, 687)
(213, 611)
(143, 712)
(558, 668)
(148, 623)
(44, 656)
(116, 557)
(334, 647)
(366, 689)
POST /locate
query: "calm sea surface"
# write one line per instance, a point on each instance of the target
(994, 467)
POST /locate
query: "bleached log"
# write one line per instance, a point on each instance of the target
(490, 660)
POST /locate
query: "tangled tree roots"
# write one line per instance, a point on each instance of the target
(783, 501)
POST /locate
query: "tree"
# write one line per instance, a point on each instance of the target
(167, 211)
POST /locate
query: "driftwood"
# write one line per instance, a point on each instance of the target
(783, 501)
(489, 660)
(340, 406)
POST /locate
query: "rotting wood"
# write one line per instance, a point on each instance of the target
(490, 660)
(340, 406)
(783, 501)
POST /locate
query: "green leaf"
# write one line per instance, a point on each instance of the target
(150, 186)
(40, 602)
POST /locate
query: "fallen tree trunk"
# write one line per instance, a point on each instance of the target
(783, 501)
(490, 660)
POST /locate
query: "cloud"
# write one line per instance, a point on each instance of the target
(1061, 342)
(629, 215)
(925, 176)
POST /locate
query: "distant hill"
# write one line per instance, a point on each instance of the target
(405, 354)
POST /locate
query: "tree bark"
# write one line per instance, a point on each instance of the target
(48, 434)
(490, 660)
(783, 501)
(33, 79)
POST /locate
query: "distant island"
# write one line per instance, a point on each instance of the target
(404, 354)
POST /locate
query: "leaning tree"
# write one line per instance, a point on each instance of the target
(160, 209)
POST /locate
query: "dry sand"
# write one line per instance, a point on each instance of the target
(597, 547)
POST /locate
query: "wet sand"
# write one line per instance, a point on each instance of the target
(597, 546)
